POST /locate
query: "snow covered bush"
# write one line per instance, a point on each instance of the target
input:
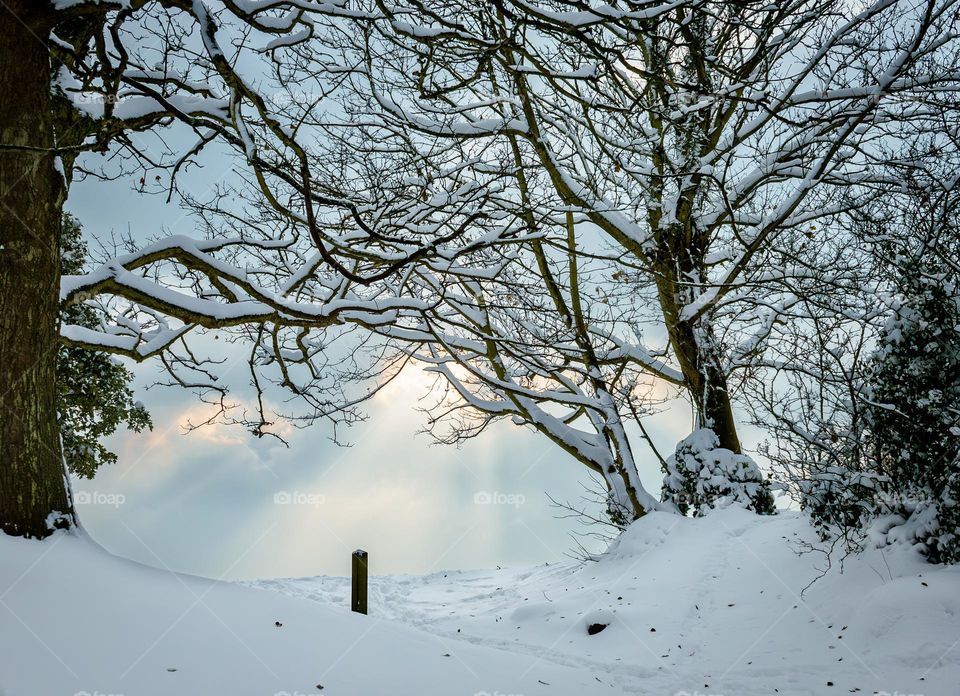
(913, 409)
(840, 499)
(862, 403)
(701, 476)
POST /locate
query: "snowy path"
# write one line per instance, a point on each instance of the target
(450, 605)
(717, 610)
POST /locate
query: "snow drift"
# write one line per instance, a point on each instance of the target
(691, 606)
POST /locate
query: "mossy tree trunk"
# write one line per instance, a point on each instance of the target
(34, 496)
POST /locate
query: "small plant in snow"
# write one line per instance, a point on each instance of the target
(701, 476)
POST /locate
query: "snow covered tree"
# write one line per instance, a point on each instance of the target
(863, 398)
(79, 78)
(93, 387)
(914, 413)
(913, 399)
(31, 191)
(406, 168)
(665, 166)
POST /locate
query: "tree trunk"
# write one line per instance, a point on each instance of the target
(34, 497)
(694, 347)
(622, 477)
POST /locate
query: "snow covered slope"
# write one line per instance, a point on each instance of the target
(75, 620)
(695, 607)
(707, 606)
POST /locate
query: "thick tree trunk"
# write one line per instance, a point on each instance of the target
(694, 347)
(33, 487)
(695, 350)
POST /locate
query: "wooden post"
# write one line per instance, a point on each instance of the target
(358, 590)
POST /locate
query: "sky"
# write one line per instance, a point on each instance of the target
(221, 503)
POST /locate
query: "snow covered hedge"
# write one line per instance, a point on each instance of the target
(904, 486)
(913, 412)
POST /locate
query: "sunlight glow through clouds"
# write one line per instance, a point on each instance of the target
(191, 498)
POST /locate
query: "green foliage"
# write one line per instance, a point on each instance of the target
(94, 396)
(914, 408)
(886, 467)
(842, 499)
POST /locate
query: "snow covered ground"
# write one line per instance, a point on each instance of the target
(709, 606)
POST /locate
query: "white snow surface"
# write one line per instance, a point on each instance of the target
(694, 606)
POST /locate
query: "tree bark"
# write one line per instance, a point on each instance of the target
(695, 350)
(694, 346)
(34, 497)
